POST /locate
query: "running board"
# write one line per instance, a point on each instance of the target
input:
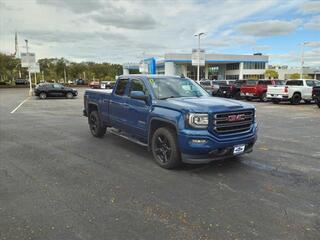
(120, 134)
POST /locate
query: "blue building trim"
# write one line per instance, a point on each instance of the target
(216, 61)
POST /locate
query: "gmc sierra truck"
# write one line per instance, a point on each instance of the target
(173, 117)
(293, 91)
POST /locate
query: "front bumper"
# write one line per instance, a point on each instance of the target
(213, 148)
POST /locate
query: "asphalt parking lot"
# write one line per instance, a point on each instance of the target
(59, 182)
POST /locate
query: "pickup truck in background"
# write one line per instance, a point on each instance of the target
(257, 89)
(316, 94)
(213, 86)
(232, 89)
(173, 117)
(293, 91)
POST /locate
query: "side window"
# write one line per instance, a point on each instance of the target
(137, 85)
(57, 86)
(121, 87)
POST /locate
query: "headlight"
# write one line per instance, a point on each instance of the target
(198, 120)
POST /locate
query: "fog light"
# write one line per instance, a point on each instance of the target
(199, 141)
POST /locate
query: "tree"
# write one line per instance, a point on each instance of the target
(270, 73)
(295, 76)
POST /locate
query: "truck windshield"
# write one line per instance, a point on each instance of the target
(176, 87)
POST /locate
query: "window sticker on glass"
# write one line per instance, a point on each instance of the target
(151, 80)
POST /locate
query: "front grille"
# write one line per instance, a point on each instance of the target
(233, 122)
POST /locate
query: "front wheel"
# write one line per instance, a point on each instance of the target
(42, 95)
(165, 148)
(69, 95)
(96, 127)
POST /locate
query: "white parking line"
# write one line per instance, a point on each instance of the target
(13, 111)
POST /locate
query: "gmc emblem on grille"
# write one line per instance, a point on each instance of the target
(235, 118)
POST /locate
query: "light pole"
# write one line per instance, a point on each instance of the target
(198, 73)
(302, 58)
(30, 83)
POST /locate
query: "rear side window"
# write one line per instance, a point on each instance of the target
(121, 87)
(294, 83)
(279, 82)
(251, 82)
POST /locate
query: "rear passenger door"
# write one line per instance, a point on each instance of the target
(118, 107)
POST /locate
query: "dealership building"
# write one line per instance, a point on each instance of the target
(215, 66)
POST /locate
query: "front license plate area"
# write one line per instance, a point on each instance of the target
(238, 149)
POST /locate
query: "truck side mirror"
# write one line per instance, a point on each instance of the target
(138, 95)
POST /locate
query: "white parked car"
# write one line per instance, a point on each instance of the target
(293, 91)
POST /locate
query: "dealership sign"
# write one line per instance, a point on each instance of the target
(198, 57)
(34, 68)
(28, 59)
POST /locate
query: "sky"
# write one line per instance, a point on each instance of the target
(125, 31)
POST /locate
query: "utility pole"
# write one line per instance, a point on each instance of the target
(30, 83)
(198, 72)
(302, 58)
(65, 74)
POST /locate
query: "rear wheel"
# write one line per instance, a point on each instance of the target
(69, 95)
(165, 148)
(275, 101)
(42, 95)
(96, 127)
(263, 97)
(296, 98)
(307, 101)
(248, 99)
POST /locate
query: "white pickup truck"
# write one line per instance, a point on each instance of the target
(293, 91)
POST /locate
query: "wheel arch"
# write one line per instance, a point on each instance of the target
(156, 123)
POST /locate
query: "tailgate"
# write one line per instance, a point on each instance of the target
(276, 89)
(249, 89)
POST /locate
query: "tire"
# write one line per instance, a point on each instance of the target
(69, 95)
(248, 99)
(318, 102)
(42, 95)
(296, 98)
(165, 148)
(263, 97)
(96, 127)
(275, 101)
(307, 101)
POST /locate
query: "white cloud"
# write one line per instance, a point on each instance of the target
(314, 23)
(269, 28)
(310, 7)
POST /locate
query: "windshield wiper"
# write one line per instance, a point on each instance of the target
(164, 98)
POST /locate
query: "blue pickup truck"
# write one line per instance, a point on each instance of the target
(174, 117)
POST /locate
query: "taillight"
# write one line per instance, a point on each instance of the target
(286, 89)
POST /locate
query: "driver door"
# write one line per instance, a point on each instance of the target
(138, 110)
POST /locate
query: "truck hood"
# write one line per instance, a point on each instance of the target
(203, 104)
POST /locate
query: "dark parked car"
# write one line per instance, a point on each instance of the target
(21, 81)
(80, 82)
(316, 94)
(44, 90)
